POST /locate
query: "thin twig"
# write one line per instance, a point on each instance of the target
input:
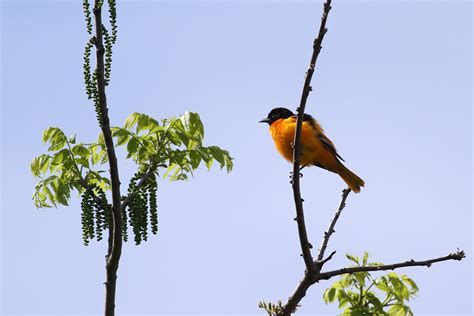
(304, 242)
(458, 255)
(330, 230)
(309, 279)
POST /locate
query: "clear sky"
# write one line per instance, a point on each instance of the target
(393, 89)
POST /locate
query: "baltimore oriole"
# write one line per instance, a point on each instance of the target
(316, 148)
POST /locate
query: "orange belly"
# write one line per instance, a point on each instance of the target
(312, 150)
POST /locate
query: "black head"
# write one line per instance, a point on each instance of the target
(276, 114)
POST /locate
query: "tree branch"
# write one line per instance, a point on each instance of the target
(305, 245)
(330, 230)
(116, 228)
(313, 272)
(458, 255)
(310, 279)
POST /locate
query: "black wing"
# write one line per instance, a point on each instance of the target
(329, 146)
(324, 140)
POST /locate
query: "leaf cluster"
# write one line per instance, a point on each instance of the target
(362, 295)
(65, 167)
(175, 144)
(272, 309)
(172, 148)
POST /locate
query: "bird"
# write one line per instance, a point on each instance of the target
(316, 148)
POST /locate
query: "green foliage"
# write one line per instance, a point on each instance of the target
(271, 308)
(173, 148)
(357, 293)
(174, 144)
(61, 169)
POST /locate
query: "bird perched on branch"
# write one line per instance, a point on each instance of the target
(316, 148)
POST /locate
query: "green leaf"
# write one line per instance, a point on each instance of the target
(121, 134)
(365, 258)
(352, 258)
(194, 159)
(360, 277)
(49, 194)
(382, 284)
(62, 199)
(83, 162)
(98, 154)
(170, 168)
(218, 154)
(193, 124)
(60, 156)
(411, 283)
(395, 309)
(179, 157)
(39, 199)
(39, 165)
(329, 295)
(209, 164)
(145, 122)
(228, 161)
(183, 137)
(371, 298)
(132, 147)
(55, 137)
(44, 163)
(131, 120)
(347, 280)
(72, 139)
(80, 150)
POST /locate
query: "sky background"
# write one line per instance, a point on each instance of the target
(392, 88)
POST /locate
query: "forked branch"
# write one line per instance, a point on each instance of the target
(310, 279)
(313, 272)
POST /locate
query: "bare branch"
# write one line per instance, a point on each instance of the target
(330, 230)
(298, 294)
(304, 242)
(310, 279)
(322, 262)
(458, 255)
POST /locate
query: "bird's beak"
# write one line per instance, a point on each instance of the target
(265, 120)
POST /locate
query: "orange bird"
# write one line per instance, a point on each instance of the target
(316, 148)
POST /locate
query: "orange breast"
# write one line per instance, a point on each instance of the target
(283, 133)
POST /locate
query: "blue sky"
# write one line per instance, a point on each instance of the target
(393, 90)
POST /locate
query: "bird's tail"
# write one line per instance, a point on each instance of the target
(352, 180)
